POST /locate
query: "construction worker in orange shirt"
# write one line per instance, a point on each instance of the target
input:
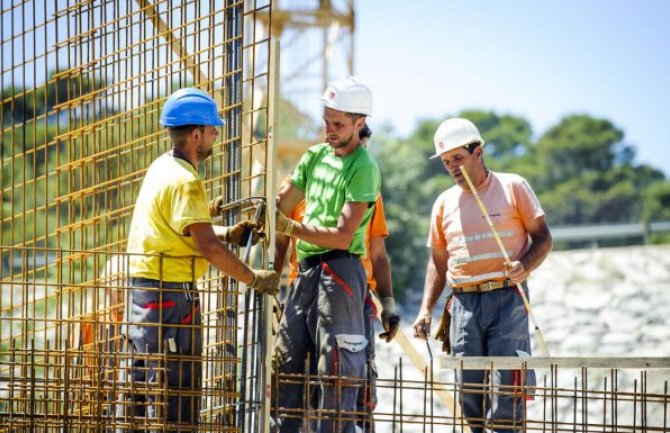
(489, 316)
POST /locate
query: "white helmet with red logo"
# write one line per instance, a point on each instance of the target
(349, 95)
(454, 133)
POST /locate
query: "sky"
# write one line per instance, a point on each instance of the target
(537, 59)
(540, 60)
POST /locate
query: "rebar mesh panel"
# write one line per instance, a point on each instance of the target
(82, 86)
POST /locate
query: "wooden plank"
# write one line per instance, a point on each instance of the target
(423, 368)
(513, 362)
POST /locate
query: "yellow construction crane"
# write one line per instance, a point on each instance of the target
(317, 44)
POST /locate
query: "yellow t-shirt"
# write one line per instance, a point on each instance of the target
(171, 199)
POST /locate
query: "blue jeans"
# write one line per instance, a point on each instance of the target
(491, 324)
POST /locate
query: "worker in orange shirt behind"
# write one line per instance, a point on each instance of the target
(378, 270)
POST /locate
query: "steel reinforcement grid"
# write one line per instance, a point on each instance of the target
(570, 395)
(83, 83)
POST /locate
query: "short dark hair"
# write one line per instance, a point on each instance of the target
(472, 146)
(365, 132)
(178, 134)
(354, 116)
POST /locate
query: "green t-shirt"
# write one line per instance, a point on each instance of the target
(330, 181)
(171, 199)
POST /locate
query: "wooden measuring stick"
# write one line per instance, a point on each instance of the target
(538, 334)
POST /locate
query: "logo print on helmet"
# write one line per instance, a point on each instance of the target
(331, 95)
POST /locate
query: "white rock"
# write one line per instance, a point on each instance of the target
(656, 331)
(616, 338)
(580, 344)
(587, 296)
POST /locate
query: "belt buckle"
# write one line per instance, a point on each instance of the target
(487, 286)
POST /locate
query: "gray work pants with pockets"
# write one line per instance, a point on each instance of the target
(163, 369)
(324, 304)
(367, 396)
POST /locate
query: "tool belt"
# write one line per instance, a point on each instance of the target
(316, 260)
(486, 286)
(442, 333)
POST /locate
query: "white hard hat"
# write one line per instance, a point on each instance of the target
(454, 133)
(349, 95)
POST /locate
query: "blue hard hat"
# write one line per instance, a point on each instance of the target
(190, 107)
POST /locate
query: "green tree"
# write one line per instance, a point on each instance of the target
(577, 146)
(408, 179)
(656, 207)
(506, 136)
(587, 174)
(35, 165)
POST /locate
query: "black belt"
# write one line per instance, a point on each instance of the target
(186, 285)
(316, 260)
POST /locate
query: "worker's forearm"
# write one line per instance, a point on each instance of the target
(431, 295)
(221, 257)
(326, 237)
(381, 271)
(281, 247)
(433, 288)
(538, 251)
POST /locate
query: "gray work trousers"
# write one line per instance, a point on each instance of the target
(322, 317)
(367, 395)
(162, 372)
(492, 324)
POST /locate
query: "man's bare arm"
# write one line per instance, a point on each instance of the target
(436, 278)
(216, 252)
(381, 266)
(335, 237)
(540, 247)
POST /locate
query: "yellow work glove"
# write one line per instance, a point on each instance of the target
(390, 320)
(284, 224)
(265, 282)
(239, 233)
(215, 206)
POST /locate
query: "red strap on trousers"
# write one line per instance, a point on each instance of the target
(339, 281)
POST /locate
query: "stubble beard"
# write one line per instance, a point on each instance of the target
(342, 143)
(204, 153)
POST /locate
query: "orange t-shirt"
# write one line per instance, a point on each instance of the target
(458, 226)
(297, 213)
(376, 227)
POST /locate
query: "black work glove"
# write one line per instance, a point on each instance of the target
(390, 320)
